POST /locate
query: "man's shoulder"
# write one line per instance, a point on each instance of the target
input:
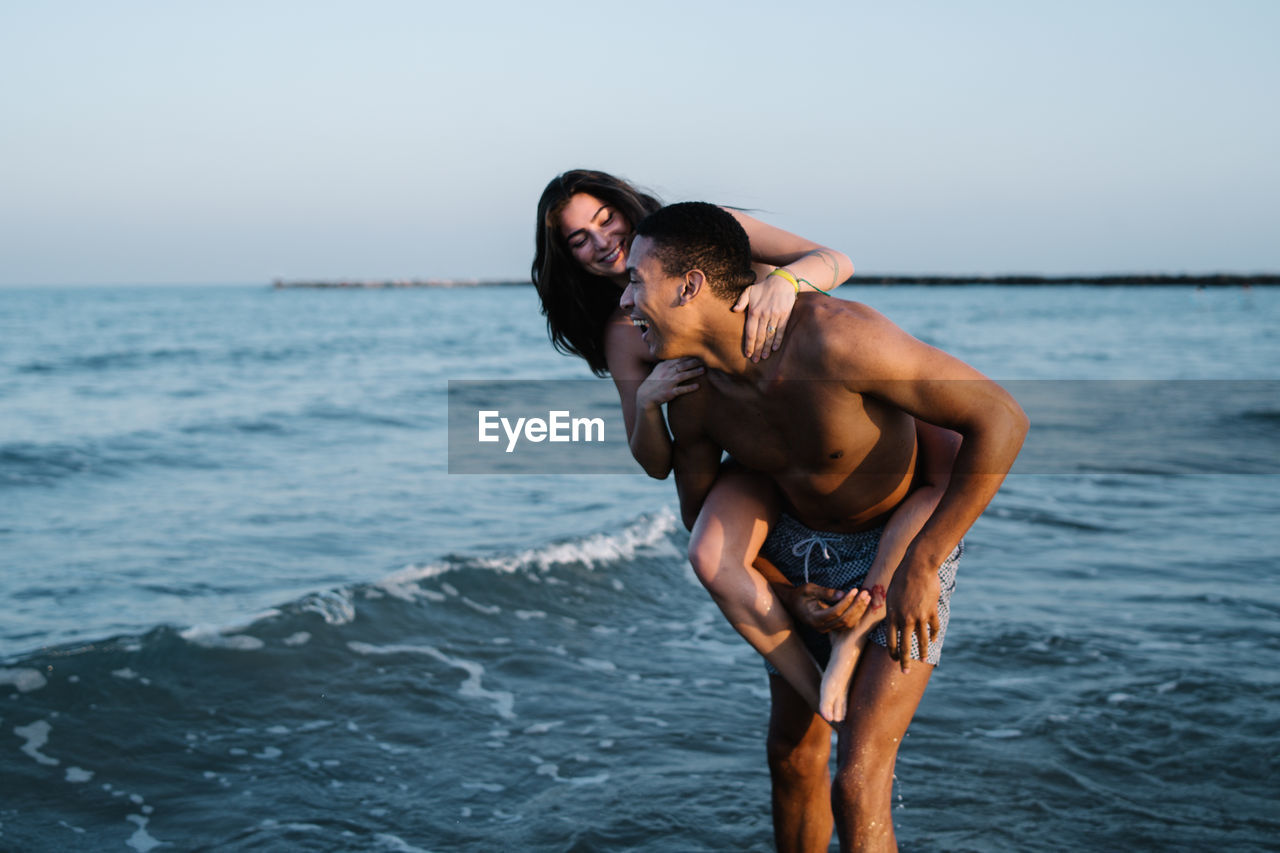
(835, 329)
(815, 307)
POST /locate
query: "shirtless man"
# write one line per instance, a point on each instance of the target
(829, 418)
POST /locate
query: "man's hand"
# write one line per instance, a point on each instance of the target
(912, 610)
(824, 609)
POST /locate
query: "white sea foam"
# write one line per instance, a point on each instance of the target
(301, 638)
(598, 665)
(403, 585)
(391, 842)
(334, 606)
(78, 774)
(487, 787)
(531, 614)
(36, 735)
(272, 823)
(22, 678)
(654, 720)
(647, 533)
(542, 728)
(126, 673)
(1000, 734)
(315, 724)
(553, 771)
(141, 840)
(503, 701)
(212, 637)
(486, 609)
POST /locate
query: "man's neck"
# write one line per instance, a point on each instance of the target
(722, 334)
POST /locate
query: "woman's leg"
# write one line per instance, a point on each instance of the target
(733, 524)
(846, 646)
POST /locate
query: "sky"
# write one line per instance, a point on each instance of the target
(160, 142)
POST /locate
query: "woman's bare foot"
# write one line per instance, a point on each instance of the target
(846, 648)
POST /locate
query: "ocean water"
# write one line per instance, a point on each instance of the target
(248, 608)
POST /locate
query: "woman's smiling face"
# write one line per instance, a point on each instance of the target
(597, 235)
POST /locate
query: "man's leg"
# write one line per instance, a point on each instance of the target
(799, 748)
(881, 704)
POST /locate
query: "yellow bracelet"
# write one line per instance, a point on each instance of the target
(786, 274)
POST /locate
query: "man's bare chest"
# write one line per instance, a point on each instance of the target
(804, 427)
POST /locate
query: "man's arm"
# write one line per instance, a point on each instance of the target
(939, 389)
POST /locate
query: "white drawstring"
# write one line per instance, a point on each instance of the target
(805, 547)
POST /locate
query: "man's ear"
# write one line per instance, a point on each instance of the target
(694, 281)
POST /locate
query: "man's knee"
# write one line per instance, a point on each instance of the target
(864, 778)
(799, 757)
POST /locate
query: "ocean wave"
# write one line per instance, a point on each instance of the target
(29, 463)
(150, 359)
(650, 532)
(396, 598)
(334, 686)
(118, 360)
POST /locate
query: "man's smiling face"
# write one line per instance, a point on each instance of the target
(648, 297)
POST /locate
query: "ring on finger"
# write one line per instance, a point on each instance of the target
(770, 329)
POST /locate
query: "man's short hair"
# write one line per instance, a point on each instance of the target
(696, 235)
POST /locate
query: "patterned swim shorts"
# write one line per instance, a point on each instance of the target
(841, 561)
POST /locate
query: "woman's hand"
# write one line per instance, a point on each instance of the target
(768, 305)
(664, 382)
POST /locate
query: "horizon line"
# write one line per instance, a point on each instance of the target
(1225, 279)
